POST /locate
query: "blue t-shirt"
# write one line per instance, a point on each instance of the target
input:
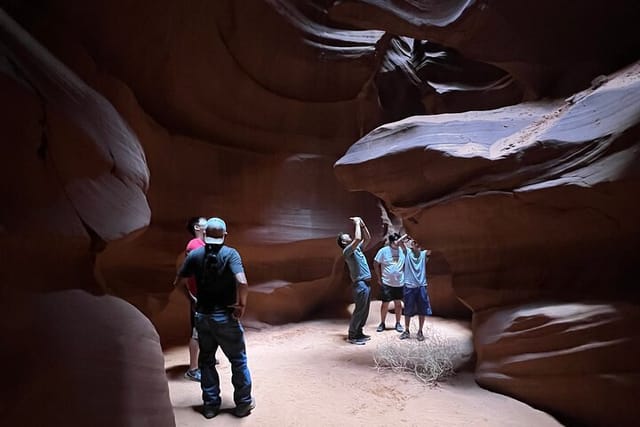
(216, 281)
(415, 269)
(357, 263)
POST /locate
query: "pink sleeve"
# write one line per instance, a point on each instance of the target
(194, 244)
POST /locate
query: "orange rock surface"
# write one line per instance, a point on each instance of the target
(531, 207)
(501, 134)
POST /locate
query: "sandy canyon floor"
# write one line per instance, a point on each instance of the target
(306, 374)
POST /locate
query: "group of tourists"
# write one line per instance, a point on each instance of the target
(400, 268)
(213, 279)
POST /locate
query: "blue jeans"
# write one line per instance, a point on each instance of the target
(220, 329)
(361, 293)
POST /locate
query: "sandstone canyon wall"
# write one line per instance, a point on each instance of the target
(74, 179)
(241, 115)
(534, 207)
(125, 118)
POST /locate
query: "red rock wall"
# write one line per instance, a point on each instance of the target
(133, 117)
(532, 207)
(74, 179)
(258, 161)
(74, 359)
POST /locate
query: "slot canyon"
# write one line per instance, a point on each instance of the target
(502, 134)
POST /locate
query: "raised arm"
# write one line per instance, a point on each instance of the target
(402, 242)
(426, 258)
(357, 235)
(366, 234)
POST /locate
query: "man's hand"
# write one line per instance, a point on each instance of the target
(238, 310)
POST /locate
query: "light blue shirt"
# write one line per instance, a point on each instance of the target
(357, 263)
(415, 274)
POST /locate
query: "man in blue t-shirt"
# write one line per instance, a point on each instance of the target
(360, 277)
(416, 298)
(222, 290)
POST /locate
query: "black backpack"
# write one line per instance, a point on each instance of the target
(218, 286)
(212, 266)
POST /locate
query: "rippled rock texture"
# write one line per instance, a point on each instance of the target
(228, 124)
(126, 118)
(241, 108)
(74, 179)
(534, 209)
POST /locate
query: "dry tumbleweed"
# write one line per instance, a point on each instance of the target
(431, 360)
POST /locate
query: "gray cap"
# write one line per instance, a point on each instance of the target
(215, 231)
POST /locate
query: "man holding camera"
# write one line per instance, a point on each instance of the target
(360, 277)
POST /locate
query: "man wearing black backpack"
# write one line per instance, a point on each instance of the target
(221, 300)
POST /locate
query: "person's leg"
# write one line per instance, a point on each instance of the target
(385, 297)
(193, 346)
(230, 335)
(424, 309)
(363, 322)
(408, 306)
(409, 311)
(193, 354)
(420, 334)
(428, 311)
(397, 308)
(210, 382)
(360, 311)
(397, 296)
(384, 309)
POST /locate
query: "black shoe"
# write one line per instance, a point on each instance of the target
(356, 341)
(381, 327)
(244, 409)
(363, 337)
(210, 411)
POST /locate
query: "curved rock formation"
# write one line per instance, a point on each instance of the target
(530, 205)
(549, 48)
(577, 360)
(263, 161)
(75, 359)
(75, 174)
(240, 109)
(74, 179)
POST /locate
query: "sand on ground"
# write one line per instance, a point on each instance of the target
(306, 374)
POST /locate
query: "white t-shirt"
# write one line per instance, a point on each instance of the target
(392, 269)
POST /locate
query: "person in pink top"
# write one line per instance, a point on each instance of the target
(195, 227)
